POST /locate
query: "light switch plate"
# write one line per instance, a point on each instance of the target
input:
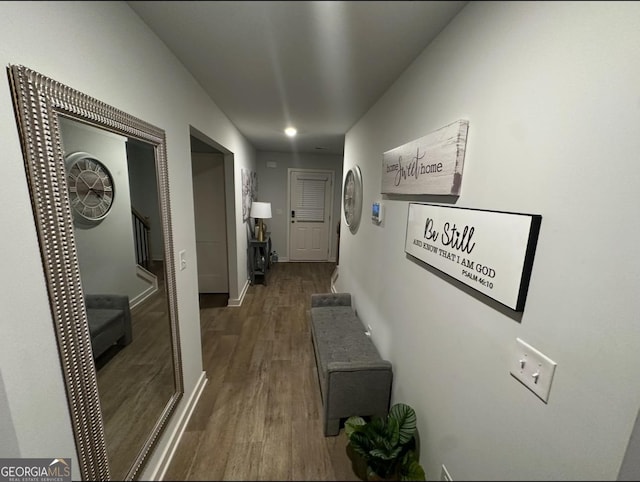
(534, 369)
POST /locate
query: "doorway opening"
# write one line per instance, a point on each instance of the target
(212, 188)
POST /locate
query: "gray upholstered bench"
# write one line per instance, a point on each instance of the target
(109, 320)
(354, 379)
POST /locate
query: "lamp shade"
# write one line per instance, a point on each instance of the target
(260, 210)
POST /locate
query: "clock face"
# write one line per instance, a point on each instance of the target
(352, 198)
(90, 187)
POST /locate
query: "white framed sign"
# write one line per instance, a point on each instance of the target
(490, 251)
(429, 165)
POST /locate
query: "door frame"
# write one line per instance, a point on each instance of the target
(232, 236)
(331, 196)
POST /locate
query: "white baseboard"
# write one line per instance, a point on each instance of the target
(238, 302)
(149, 291)
(286, 260)
(334, 278)
(169, 451)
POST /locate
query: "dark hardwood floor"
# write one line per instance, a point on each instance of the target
(260, 414)
(135, 382)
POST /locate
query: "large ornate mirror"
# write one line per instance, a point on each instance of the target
(100, 196)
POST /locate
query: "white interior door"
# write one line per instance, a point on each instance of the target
(210, 219)
(310, 194)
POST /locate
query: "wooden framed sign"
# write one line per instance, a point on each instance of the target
(429, 165)
(490, 251)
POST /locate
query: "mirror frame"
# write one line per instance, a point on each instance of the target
(38, 102)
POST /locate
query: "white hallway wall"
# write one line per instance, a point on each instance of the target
(551, 93)
(102, 49)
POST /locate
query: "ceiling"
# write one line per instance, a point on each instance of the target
(316, 65)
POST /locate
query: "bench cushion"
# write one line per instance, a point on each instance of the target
(101, 319)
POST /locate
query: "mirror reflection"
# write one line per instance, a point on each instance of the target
(113, 189)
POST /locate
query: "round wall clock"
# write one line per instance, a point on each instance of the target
(91, 188)
(352, 198)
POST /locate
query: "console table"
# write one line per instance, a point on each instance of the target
(259, 259)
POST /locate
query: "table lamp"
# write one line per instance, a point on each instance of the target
(260, 211)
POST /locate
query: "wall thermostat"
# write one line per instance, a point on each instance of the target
(376, 212)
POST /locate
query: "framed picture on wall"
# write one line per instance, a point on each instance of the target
(249, 191)
(429, 165)
(490, 251)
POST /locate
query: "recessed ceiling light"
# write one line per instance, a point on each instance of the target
(291, 131)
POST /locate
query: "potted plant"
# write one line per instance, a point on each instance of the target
(388, 445)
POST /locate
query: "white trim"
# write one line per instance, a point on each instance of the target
(148, 292)
(332, 259)
(238, 302)
(334, 278)
(176, 435)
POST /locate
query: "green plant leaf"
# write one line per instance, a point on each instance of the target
(361, 443)
(406, 417)
(352, 424)
(377, 431)
(393, 431)
(385, 454)
(410, 468)
(387, 443)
